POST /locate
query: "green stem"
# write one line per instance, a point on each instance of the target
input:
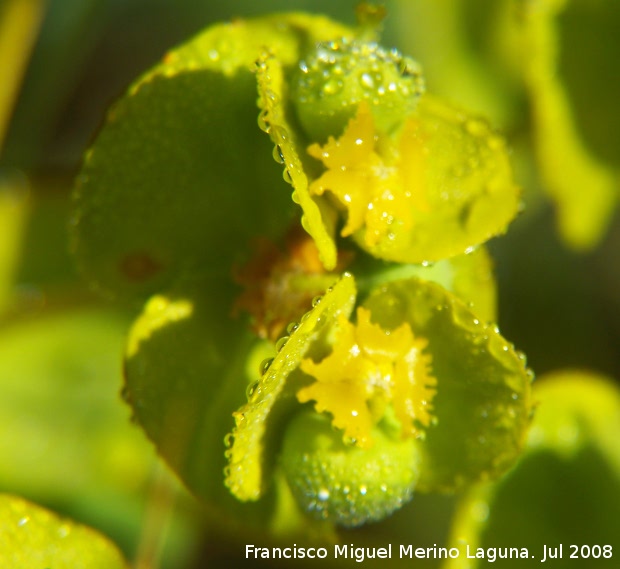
(19, 24)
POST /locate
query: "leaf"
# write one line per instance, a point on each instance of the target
(247, 456)
(317, 219)
(566, 487)
(482, 405)
(59, 407)
(35, 537)
(185, 374)
(180, 177)
(462, 191)
(469, 276)
(566, 164)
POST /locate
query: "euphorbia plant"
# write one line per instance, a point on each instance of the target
(319, 305)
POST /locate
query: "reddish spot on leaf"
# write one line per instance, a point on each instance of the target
(140, 266)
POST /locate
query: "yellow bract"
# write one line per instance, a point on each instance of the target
(365, 175)
(368, 369)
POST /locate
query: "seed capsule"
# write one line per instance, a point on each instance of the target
(334, 79)
(346, 484)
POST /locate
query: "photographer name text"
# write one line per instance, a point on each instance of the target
(546, 554)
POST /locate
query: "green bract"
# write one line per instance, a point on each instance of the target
(161, 184)
(566, 486)
(396, 380)
(482, 406)
(35, 537)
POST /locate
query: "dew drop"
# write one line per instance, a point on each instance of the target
(367, 81)
(251, 390)
(229, 439)
(278, 155)
(287, 176)
(316, 301)
(323, 494)
(262, 122)
(281, 342)
(476, 127)
(265, 365)
(239, 418)
(332, 86)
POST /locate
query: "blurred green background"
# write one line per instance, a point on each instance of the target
(66, 440)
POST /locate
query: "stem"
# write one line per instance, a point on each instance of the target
(20, 21)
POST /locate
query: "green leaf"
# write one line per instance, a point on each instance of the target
(463, 181)
(483, 402)
(185, 375)
(566, 164)
(35, 537)
(180, 178)
(566, 487)
(317, 218)
(60, 407)
(469, 276)
(248, 456)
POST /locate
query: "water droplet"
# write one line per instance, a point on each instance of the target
(251, 390)
(287, 176)
(323, 494)
(262, 121)
(363, 490)
(476, 127)
(239, 418)
(367, 81)
(281, 342)
(278, 155)
(292, 327)
(332, 86)
(265, 365)
(349, 441)
(229, 439)
(316, 301)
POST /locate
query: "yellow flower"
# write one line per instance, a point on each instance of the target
(369, 179)
(368, 369)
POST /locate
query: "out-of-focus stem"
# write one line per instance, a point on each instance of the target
(20, 21)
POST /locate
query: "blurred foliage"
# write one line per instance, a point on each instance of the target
(542, 72)
(565, 489)
(27, 531)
